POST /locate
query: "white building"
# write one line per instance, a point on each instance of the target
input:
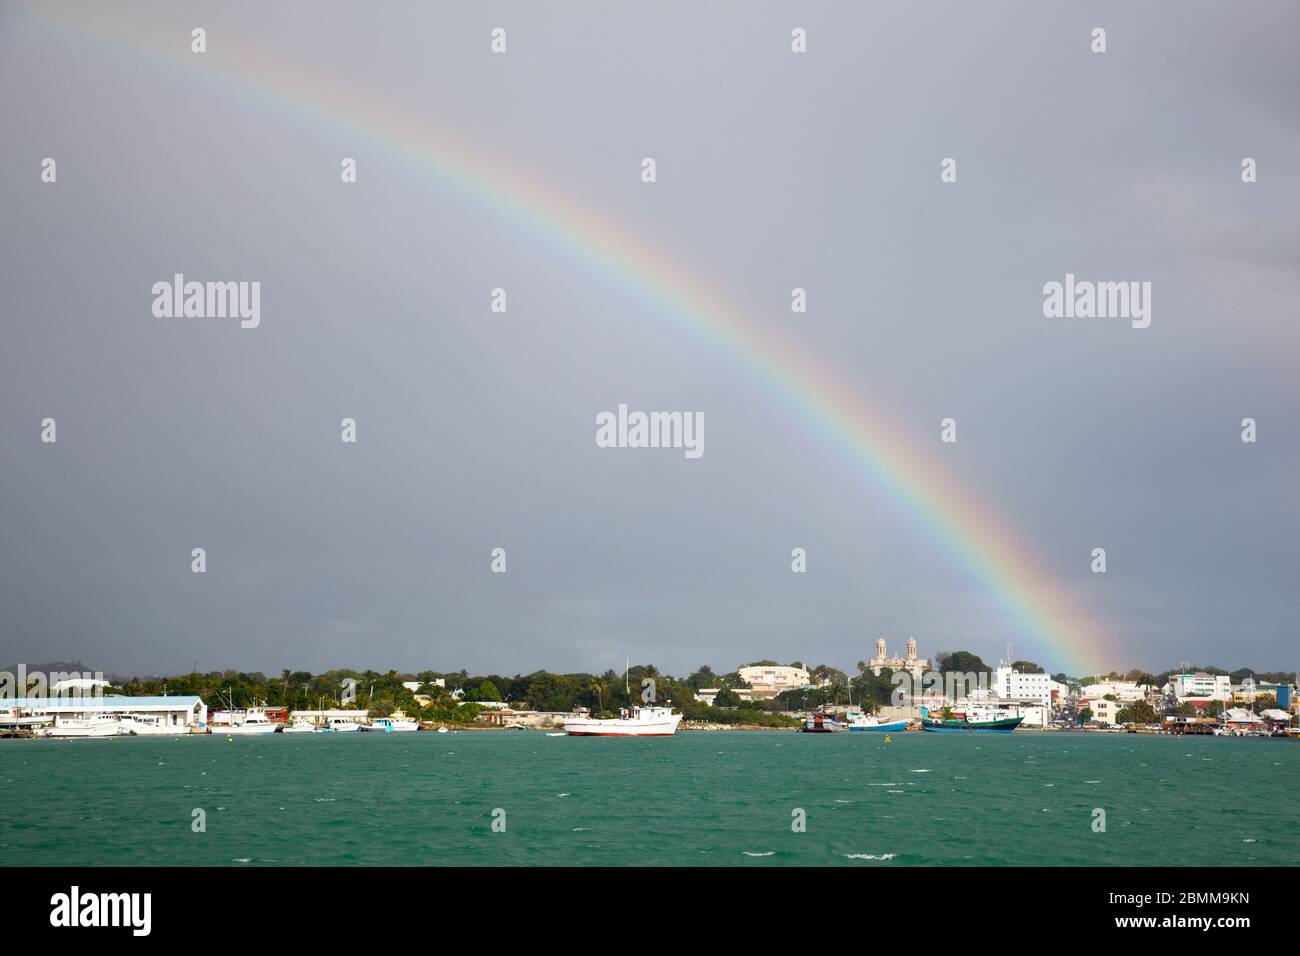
(325, 716)
(1194, 687)
(414, 685)
(1123, 690)
(916, 666)
(707, 695)
(768, 681)
(1033, 692)
(171, 711)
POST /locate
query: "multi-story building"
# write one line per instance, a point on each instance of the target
(916, 666)
(1103, 711)
(769, 681)
(1252, 693)
(1033, 692)
(1193, 688)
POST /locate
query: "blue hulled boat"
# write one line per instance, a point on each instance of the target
(870, 723)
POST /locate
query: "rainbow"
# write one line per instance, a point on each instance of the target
(889, 460)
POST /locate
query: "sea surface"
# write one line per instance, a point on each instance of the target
(700, 798)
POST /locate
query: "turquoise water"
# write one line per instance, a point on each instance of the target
(699, 798)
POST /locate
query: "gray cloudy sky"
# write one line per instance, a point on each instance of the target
(477, 430)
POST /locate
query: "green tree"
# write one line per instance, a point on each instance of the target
(726, 698)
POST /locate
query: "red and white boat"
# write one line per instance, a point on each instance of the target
(636, 722)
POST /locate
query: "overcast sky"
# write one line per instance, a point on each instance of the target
(476, 430)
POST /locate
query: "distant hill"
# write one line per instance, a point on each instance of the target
(64, 667)
(50, 667)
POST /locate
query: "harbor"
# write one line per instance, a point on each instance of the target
(707, 799)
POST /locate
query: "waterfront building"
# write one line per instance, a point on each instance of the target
(1035, 694)
(1199, 688)
(1250, 694)
(916, 666)
(707, 695)
(169, 711)
(769, 681)
(1239, 718)
(322, 717)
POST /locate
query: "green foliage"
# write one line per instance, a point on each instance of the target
(963, 662)
(726, 698)
(1027, 667)
(1139, 712)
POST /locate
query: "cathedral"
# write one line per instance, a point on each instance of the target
(916, 666)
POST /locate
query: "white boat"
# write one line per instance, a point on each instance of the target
(340, 725)
(299, 726)
(99, 725)
(398, 723)
(634, 722)
(148, 726)
(14, 719)
(254, 722)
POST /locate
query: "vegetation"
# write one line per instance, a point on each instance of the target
(456, 702)
(1139, 712)
(961, 662)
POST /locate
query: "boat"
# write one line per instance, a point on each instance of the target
(973, 720)
(15, 719)
(141, 725)
(340, 725)
(100, 725)
(870, 722)
(631, 722)
(254, 722)
(299, 726)
(397, 723)
(821, 724)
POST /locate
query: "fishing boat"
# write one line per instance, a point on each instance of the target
(146, 725)
(870, 722)
(254, 722)
(397, 723)
(299, 726)
(340, 725)
(973, 720)
(821, 724)
(99, 725)
(631, 722)
(15, 720)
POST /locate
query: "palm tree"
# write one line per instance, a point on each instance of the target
(597, 687)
